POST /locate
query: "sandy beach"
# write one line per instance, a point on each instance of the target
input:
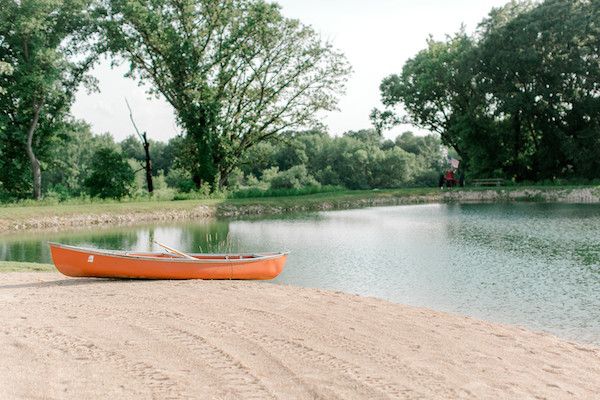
(109, 339)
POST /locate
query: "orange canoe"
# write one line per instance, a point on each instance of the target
(79, 262)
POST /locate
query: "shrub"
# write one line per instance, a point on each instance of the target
(328, 176)
(426, 178)
(111, 175)
(296, 177)
(180, 179)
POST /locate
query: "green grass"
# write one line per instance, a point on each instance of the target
(338, 199)
(13, 266)
(23, 212)
(254, 192)
(335, 196)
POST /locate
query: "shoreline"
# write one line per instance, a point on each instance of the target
(26, 218)
(233, 339)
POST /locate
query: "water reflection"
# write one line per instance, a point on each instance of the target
(536, 265)
(33, 247)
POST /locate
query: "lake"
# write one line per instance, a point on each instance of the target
(535, 265)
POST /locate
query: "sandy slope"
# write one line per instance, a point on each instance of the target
(86, 339)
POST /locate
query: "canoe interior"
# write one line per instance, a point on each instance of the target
(197, 256)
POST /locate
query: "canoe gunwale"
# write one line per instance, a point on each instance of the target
(225, 260)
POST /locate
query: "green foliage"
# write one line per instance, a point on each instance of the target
(257, 193)
(519, 99)
(295, 177)
(111, 175)
(180, 179)
(357, 160)
(71, 159)
(204, 193)
(133, 148)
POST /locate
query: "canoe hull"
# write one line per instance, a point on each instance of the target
(77, 262)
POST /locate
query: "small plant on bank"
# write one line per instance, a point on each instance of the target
(216, 244)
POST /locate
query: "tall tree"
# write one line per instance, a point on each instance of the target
(43, 41)
(519, 98)
(437, 92)
(540, 70)
(236, 72)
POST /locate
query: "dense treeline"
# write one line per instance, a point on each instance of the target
(519, 99)
(356, 160)
(96, 165)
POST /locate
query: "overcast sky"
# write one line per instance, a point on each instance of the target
(377, 37)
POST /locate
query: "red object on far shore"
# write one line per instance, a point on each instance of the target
(449, 179)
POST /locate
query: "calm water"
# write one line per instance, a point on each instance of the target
(536, 265)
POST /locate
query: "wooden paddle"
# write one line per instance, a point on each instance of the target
(174, 251)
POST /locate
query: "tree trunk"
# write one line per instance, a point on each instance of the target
(224, 177)
(517, 166)
(35, 164)
(206, 171)
(200, 126)
(148, 164)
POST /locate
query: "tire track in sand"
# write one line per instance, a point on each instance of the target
(365, 350)
(232, 376)
(348, 371)
(240, 379)
(189, 340)
(159, 383)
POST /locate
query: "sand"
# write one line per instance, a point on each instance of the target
(64, 338)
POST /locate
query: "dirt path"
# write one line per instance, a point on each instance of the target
(90, 339)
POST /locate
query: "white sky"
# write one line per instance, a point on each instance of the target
(377, 37)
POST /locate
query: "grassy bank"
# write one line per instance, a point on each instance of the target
(337, 196)
(71, 214)
(17, 214)
(14, 266)
(327, 201)
(20, 213)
